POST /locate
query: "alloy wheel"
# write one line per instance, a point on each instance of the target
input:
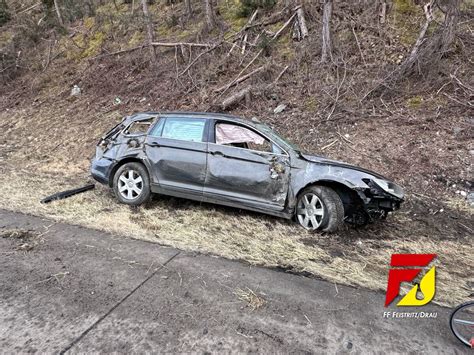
(310, 211)
(130, 184)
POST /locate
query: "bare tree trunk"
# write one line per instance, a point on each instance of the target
(300, 29)
(326, 52)
(421, 37)
(450, 24)
(149, 28)
(189, 7)
(58, 12)
(383, 11)
(210, 15)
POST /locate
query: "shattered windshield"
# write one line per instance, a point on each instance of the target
(279, 139)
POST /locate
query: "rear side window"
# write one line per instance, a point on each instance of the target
(185, 129)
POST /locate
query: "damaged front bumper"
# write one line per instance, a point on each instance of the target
(377, 201)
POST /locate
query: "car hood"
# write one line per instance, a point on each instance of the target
(325, 161)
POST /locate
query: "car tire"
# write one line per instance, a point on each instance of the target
(131, 184)
(319, 208)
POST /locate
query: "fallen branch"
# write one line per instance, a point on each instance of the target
(28, 8)
(383, 12)
(199, 56)
(428, 8)
(175, 44)
(275, 36)
(236, 98)
(301, 30)
(244, 29)
(281, 74)
(358, 44)
(330, 144)
(338, 90)
(243, 78)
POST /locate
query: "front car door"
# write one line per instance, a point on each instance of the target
(245, 168)
(177, 151)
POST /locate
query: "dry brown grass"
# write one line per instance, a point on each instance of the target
(353, 257)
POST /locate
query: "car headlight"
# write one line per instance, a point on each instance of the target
(389, 187)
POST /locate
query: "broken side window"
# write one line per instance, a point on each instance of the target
(138, 127)
(241, 137)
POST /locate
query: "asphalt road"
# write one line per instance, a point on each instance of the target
(80, 290)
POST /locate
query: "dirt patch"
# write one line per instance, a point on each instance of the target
(252, 299)
(24, 239)
(22, 234)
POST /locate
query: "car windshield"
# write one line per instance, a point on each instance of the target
(279, 139)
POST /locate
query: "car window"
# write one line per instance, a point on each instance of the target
(241, 137)
(186, 129)
(156, 131)
(138, 127)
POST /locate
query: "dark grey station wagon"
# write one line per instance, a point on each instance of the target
(240, 163)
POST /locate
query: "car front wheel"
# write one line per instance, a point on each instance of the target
(132, 184)
(319, 208)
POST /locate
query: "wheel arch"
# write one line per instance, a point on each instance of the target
(345, 191)
(123, 162)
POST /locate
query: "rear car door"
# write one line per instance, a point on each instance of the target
(177, 151)
(245, 168)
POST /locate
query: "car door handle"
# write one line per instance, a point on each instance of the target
(218, 154)
(154, 144)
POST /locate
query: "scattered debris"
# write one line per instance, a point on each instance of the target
(18, 234)
(58, 277)
(67, 193)
(253, 300)
(470, 198)
(29, 239)
(280, 108)
(76, 91)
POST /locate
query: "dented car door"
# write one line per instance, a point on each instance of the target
(242, 176)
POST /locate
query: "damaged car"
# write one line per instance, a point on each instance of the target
(241, 163)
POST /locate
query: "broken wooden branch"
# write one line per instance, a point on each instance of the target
(358, 44)
(281, 74)
(28, 8)
(428, 8)
(244, 30)
(199, 56)
(275, 36)
(236, 98)
(383, 12)
(175, 44)
(243, 78)
(301, 30)
(338, 90)
(58, 13)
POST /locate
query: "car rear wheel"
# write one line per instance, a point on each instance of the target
(319, 208)
(132, 184)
